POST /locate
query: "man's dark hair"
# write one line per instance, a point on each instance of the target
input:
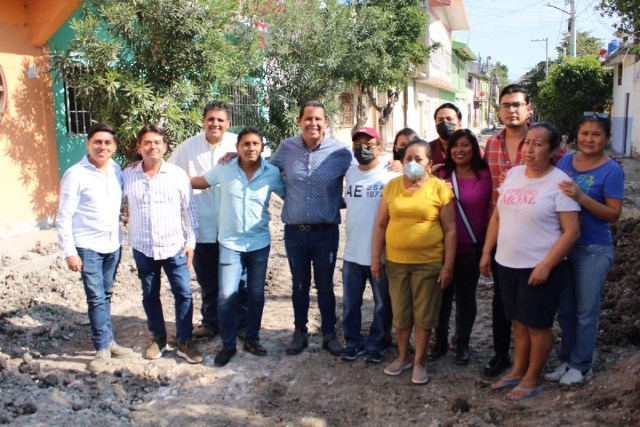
(101, 127)
(451, 106)
(250, 130)
(150, 127)
(421, 143)
(216, 106)
(314, 104)
(514, 88)
(477, 163)
(554, 135)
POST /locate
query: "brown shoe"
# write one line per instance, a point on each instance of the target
(118, 352)
(188, 351)
(99, 363)
(156, 348)
(203, 331)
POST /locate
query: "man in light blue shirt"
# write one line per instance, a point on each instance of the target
(88, 224)
(246, 184)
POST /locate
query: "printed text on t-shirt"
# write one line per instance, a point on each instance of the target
(373, 190)
(514, 196)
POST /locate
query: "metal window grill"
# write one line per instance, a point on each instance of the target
(245, 108)
(78, 118)
(346, 112)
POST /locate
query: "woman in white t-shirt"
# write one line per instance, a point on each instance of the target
(535, 227)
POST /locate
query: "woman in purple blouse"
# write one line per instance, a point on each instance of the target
(469, 177)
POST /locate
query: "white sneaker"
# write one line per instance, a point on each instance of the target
(560, 371)
(574, 376)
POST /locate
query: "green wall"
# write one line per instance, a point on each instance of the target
(71, 148)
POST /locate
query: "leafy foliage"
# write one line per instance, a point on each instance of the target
(154, 61)
(502, 74)
(574, 86)
(586, 44)
(627, 11)
(303, 45)
(531, 80)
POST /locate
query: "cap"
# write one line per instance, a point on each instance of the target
(367, 131)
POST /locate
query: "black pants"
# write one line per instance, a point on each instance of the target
(465, 282)
(501, 325)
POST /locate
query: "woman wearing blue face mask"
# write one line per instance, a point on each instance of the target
(416, 228)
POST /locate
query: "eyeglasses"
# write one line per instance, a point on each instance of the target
(516, 105)
(598, 115)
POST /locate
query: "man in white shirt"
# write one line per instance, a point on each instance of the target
(88, 224)
(163, 223)
(196, 156)
(364, 185)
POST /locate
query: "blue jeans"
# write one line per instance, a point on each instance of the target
(320, 248)
(205, 264)
(579, 312)
(98, 273)
(149, 272)
(232, 264)
(354, 281)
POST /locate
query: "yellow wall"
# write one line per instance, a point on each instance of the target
(28, 155)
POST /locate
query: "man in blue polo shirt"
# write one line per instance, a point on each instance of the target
(314, 165)
(246, 184)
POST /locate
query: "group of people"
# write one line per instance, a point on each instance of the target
(421, 229)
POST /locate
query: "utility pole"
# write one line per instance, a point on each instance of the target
(573, 29)
(546, 57)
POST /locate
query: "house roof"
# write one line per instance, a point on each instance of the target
(454, 11)
(619, 55)
(463, 50)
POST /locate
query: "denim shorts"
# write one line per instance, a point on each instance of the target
(533, 306)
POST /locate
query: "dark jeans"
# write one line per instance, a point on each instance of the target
(98, 273)
(320, 248)
(205, 264)
(465, 282)
(232, 264)
(149, 272)
(501, 325)
(354, 282)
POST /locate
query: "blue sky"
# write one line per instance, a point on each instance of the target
(503, 29)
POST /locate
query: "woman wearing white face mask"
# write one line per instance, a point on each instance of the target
(416, 228)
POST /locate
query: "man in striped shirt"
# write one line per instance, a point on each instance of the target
(163, 224)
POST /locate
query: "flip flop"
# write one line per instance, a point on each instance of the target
(506, 382)
(532, 392)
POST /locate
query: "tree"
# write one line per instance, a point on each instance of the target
(626, 11)
(574, 86)
(303, 45)
(586, 45)
(384, 47)
(532, 79)
(154, 61)
(502, 74)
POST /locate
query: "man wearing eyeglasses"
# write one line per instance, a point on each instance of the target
(502, 152)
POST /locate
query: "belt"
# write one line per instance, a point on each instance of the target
(310, 227)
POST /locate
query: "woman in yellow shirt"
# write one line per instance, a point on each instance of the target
(416, 226)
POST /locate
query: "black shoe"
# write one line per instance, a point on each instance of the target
(254, 347)
(299, 342)
(439, 349)
(373, 356)
(462, 353)
(331, 343)
(352, 353)
(224, 355)
(496, 366)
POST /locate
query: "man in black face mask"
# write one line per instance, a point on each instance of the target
(364, 184)
(448, 120)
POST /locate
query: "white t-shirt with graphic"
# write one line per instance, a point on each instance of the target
(362, 197)
(529, 220)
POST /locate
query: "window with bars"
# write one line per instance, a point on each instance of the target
(77, 117)
(245, 108)
(346, 112)
(4, 93)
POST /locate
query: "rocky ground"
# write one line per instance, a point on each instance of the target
(45, 344)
